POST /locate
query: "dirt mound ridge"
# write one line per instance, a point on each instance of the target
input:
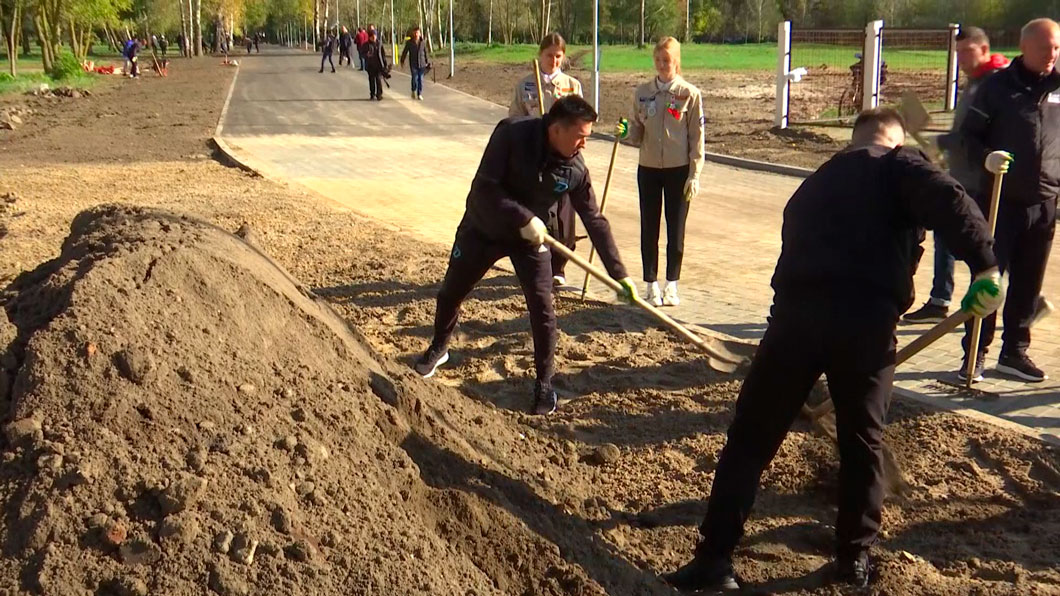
(185, 418)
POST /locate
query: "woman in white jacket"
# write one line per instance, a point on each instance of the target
(667, 124)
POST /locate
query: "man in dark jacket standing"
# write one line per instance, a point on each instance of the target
(376, 64)
(975, 59)
(1016, 117)
(345, 42)
(416, 52)
(853, 228)
(528, 165)
(327, 49)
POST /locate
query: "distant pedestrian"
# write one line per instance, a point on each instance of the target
(126, 53)
(248, 43)
(360, 40)
(667, 124)
(257, 40)
(419, 63)
(182, 44)
(345, 43)
(163, 44)
(376, 64)
(327, 49)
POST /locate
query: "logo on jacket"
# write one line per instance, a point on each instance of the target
(561, 181)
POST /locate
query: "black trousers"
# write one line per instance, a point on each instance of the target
(1023, 240)
(326, 57)
(344, 54)
(653, 184)
(375, 83)
(472, 256)
(561, 227)
(853, 344)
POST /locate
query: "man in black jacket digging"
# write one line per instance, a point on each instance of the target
(852, 230)
(1016, 117)
(528, 165)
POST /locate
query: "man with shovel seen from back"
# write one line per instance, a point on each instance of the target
(528, 166)
(853, 229)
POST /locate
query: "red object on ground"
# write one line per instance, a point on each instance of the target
(104, 70)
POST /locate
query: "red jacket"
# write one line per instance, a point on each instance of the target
(360, 39)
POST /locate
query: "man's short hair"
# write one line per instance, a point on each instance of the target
(1036, 25)
(879, 118)
(572, 109)
(974, 35)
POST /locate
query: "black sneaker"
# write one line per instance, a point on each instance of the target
(980, 366)
(1020, 365)
(929, 313)
(855, 571)
(704, 574)
(434, 357)
(545, 399)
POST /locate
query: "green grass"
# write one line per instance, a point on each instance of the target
(711, 56)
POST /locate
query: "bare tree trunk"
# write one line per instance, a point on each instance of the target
(183, 28)
(441, 26)
(641, 45)
(197, 27)
(489, 37)
(11, 35)
(548, 18)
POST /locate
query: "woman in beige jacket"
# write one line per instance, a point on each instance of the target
(667, 124)
(554, 84)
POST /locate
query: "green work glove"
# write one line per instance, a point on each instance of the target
(622, 128)
(985, 295)
(629, 291)
(998, 162)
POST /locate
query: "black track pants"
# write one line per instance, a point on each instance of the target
(853, 344)
(653, 184)
(1024, 238)
(472, 256)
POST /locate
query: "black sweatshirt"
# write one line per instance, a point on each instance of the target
(855, 226)
(1018, 111)
(521, 177)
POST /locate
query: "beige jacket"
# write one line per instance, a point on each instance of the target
(668, 125)
(524, 102)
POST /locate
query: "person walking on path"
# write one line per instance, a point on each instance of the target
(345, 42)
(376, 64)
(327, 48)
(419, 62)
(163, 44)
(1015, 117)
(852, 228)
(359, 40)
(528, 164)
(667, 123)
(975, 59)
(554, 84)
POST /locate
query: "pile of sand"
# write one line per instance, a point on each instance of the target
(185, 417)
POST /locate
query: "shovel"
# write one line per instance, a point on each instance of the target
(717, 360)
(917, 119)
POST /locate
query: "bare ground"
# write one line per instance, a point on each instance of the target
(535, 505)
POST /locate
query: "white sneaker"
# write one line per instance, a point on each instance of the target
(419, 97)
(654, 295)
(559, 280)
(670, 295)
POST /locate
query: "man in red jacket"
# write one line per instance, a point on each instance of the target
(358, 41)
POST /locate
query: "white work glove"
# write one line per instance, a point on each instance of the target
(985, 295)
(998, 162)
(691, 188)
(534, 231)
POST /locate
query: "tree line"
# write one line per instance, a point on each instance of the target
(78, 25)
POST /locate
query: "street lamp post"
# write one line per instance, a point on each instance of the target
(452, 39)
